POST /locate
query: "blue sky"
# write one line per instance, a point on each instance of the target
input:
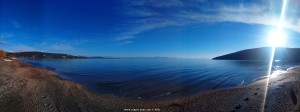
(173, 28)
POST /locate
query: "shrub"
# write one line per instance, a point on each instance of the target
(2, 54)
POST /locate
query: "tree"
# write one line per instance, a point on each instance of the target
(2, 54)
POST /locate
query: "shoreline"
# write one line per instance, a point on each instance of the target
(27, 88)
(274, 94)
(24, 87)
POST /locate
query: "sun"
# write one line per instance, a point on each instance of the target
(276, 38)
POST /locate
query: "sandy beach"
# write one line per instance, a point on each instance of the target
(26, 88)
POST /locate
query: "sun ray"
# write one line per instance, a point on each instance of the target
(275, 43)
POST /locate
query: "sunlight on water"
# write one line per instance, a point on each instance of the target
(276, 73)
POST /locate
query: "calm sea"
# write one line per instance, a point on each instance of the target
(157, 78)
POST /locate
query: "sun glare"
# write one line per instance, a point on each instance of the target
(276, 38)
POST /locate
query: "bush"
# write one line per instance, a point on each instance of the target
(2, 54)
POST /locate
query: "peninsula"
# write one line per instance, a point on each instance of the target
(42, 55)
(264, 53)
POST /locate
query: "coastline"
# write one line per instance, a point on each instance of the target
(27, 88)
(277, 94)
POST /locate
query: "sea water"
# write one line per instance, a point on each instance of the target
(158, 78)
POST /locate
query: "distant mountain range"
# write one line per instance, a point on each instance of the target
(264, 53)
(42, 55)
(45, 55)
(101, 57)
